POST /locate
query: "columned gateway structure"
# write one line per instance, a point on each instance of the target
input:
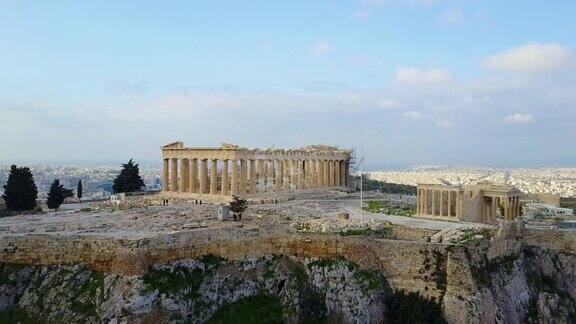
(476, 203)
(234, 171)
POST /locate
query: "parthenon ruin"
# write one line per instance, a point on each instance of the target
(230, 170)
(476, 203)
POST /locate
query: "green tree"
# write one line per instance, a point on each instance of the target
(238, 206)
(20, 191)
(57, 194)
(129, 179)
(79, 189)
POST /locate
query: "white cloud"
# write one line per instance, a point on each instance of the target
(413, 75)
(519, 118)
(320, 48)
(532, 58)
(452, 16)
(315, 117)
(413, 114)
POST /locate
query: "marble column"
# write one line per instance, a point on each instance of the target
(450, 199)
(279, 175)
(425, 196)
(261, 175)
(312, 166)
(433, 191)
(424, 201)
(181, 179)
(214, 177)
(337, 175)
(327, 173)
(496, 202)
(293, 174)
(174, 175)
(185, 176)
(243, 177)
(320, 173)
(418, 201)
(426, 208)
(270, 176)
(286, 175)
(496, 206)
(308, 173)
(224, 185)
(203, 176)
(490, 210)
(418, 197)
(330, 173)
(343, 173)
(252, 177)
(166, 175)
(234, 179)
(446, 203)
(300, 174)
(193, 175)
(448, 193)
(512, 207)
(421, 201)
(441, 211)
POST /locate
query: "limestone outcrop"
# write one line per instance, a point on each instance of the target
(525, 284)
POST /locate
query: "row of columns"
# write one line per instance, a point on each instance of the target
(511, 207)
(441, 202)
(437, 202)
(250, 176)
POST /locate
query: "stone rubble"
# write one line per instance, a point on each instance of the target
(339, 224)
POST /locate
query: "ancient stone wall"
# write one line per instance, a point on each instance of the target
(409, 265)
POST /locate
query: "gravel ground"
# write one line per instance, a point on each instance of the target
(148, 218)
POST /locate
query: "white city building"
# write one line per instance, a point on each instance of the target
(542, 211)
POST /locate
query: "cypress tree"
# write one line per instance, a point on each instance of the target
(57, 194)
(20, 191)
(129, 179)
(79, 189)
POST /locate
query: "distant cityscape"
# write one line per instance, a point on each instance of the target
(97, 180)
(557, 181)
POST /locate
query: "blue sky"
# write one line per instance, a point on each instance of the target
(417, 81)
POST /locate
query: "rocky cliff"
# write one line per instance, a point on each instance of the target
(527, 284)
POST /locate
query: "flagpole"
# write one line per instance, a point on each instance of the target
(361, 186)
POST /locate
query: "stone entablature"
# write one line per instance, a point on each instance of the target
(476, 203)
(231, 170)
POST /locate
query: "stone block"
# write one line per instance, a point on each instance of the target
(343, 215)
